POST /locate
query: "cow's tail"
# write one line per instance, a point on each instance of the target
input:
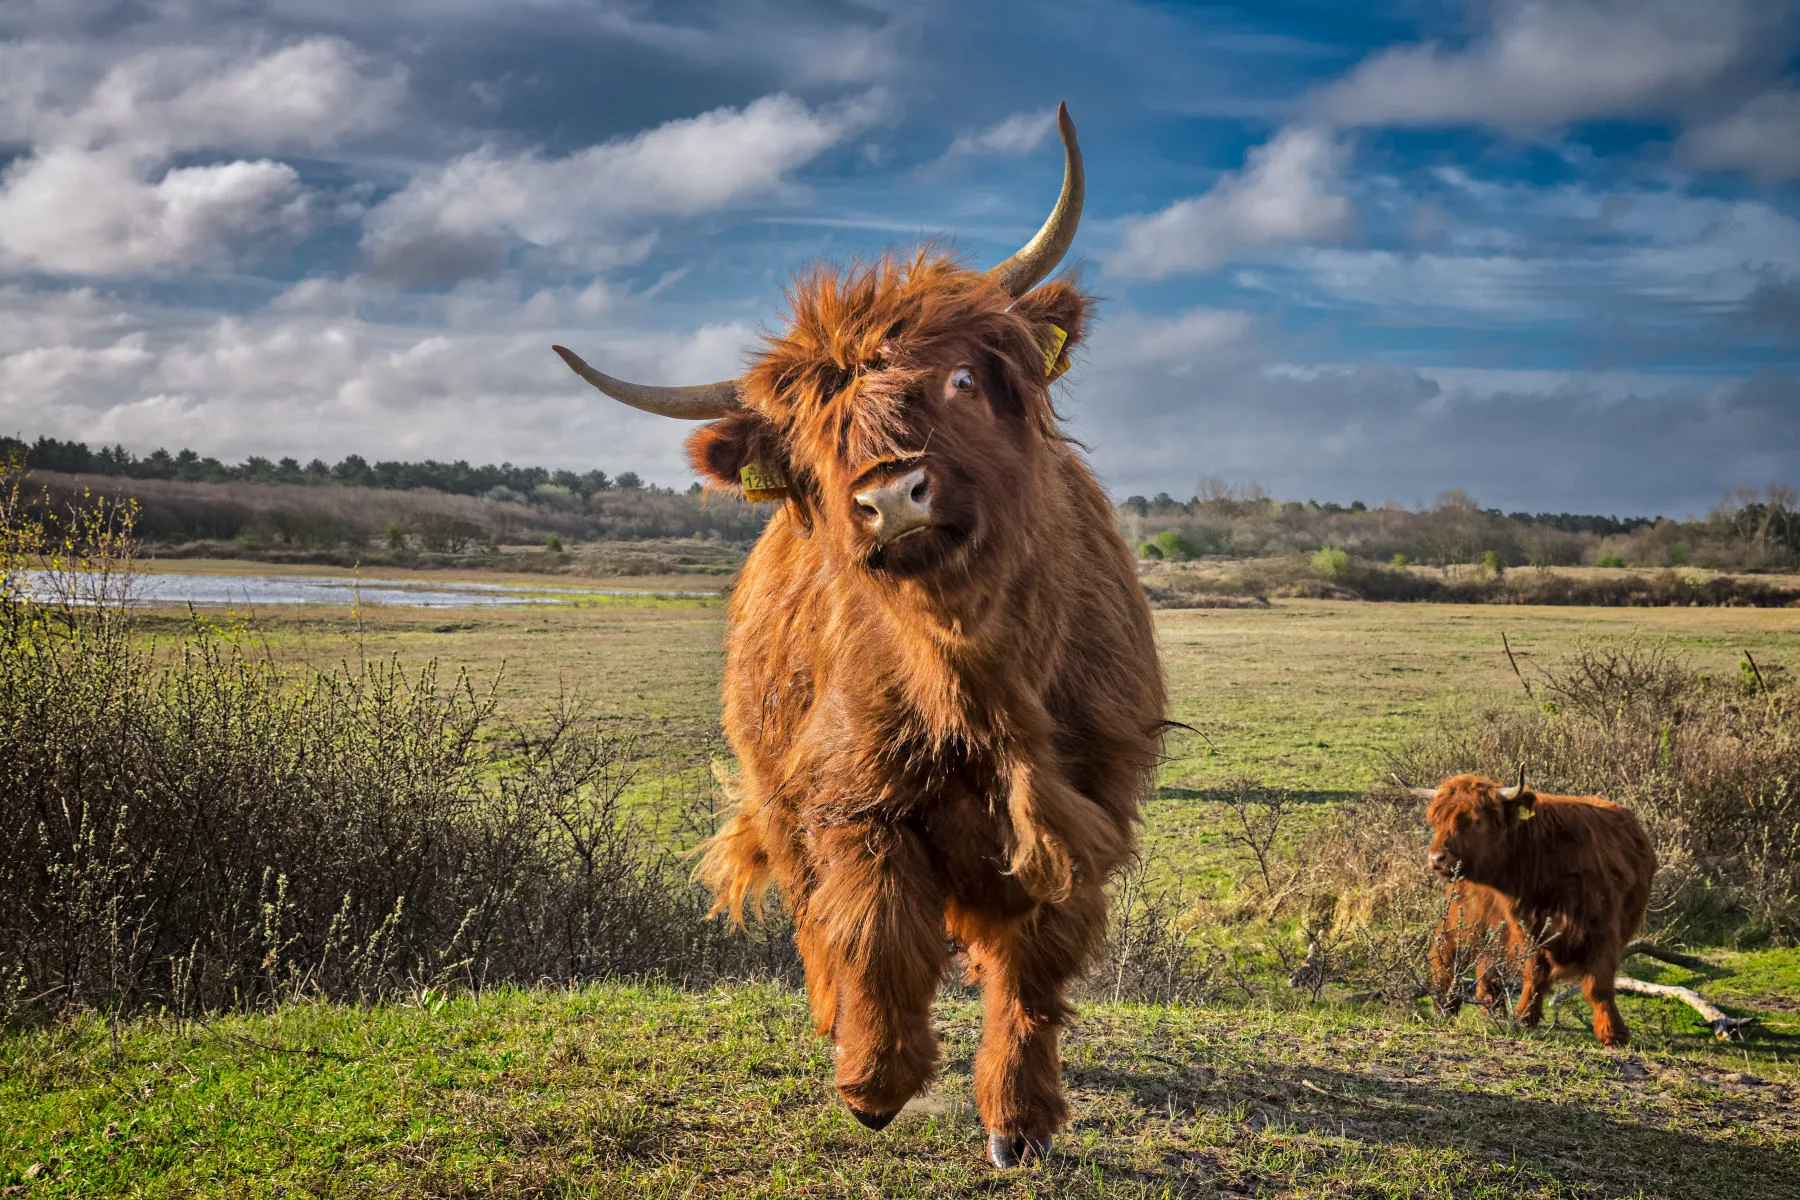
(1057, 833)
(733, 864)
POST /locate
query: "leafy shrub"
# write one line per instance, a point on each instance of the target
(1331, 564)
(1172, 544)
(1493, 564)
(553, 544)
(1400, 560)
(1609, 560)
(556, 495)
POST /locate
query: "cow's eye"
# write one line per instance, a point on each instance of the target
(962, 379)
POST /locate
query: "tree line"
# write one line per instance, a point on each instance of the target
(502, 482)
(1219, 498)
(1748, 529)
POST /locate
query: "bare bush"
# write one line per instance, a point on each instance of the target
(1254, 820)
(1152, 956)
(188, 827)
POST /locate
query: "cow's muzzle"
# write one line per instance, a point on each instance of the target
(1442, 862)
(896, 507)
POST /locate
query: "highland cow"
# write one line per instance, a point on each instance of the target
(1574, 873)
(1477, 930)
(940, 678)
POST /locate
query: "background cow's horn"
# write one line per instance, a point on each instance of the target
(1423, 793)
(1512, 793)
(698, 402)
(1038, 257)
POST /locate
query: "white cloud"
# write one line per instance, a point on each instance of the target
(97, 195)
(1179, 341)
(88, 213)
(1543, 64)
(1761, 139)
(1018, 134)
(354, 367)
(1657, 263)
(310, 94)
(453, 222)
(1289, 191)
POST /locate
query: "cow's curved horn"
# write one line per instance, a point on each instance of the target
(698, 402)
(1512, 793)
(1038, 257)
(1423, 793)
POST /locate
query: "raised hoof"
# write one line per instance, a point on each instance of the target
(869, 1120)
(1009, 1150)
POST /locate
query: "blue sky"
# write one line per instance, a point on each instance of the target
(1547, 253)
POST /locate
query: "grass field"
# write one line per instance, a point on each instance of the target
(620, 1091)
(615, 1090)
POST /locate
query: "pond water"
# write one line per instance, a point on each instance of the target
(249, 591)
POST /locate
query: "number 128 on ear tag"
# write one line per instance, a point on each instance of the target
(763, 481)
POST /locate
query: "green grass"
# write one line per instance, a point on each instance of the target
(1308, 694)
(623, 1091)
(646, 1092)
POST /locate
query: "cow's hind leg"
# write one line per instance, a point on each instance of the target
(876, 930)
(1609, 1026)
(1023, 966)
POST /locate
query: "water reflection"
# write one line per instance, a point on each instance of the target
(249, 591)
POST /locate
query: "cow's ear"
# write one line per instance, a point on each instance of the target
(1058, 313)
(1524, 804)
(720, 450)
(742, 453)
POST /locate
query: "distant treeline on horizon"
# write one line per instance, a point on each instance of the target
(353, 470)
(460, 479)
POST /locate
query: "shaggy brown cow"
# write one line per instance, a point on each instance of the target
(1477, 924)
(940, 678)
(1574, 872)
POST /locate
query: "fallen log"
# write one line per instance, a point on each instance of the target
(1672, 957)
(1721, 1025)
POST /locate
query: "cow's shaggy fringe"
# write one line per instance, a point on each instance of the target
(1711, 766)
(182, 826)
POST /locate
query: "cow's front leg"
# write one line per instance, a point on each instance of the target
(1446, 990)
(876, 927)
(1490, 985)
(1023, 966)
(1532, 988)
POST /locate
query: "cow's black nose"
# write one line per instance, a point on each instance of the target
(1439, 859)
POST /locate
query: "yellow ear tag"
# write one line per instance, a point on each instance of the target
(763, 481)
(1525, 814)
(1055, 361)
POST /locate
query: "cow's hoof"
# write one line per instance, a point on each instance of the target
(869, 1120)
(1006, 1150)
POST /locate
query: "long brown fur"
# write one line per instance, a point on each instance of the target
(946, 738)
(1573, 872)
(1477, 923)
